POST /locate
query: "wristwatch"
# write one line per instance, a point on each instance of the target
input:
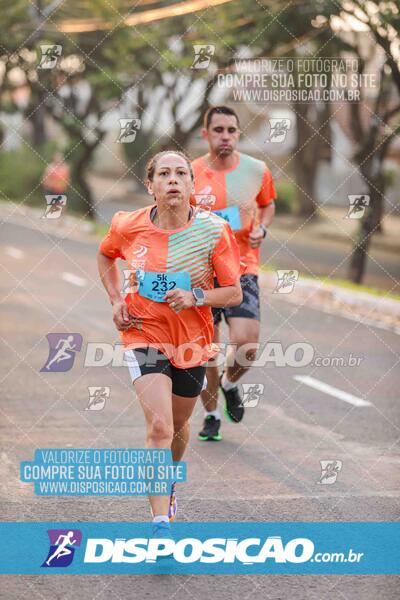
(264, 229)
(198, 294)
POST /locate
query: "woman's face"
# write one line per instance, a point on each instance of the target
(172, 184)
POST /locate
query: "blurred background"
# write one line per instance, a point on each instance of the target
(89, 91)
(69, 71)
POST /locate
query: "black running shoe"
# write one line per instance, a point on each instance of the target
(234, 408)
(210, 431)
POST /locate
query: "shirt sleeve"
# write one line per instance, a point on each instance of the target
(226, 258)
(111, 244)
(267, 193)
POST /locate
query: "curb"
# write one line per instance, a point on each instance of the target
(317, 292)
(378, 242)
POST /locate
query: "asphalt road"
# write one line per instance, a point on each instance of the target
(267, 467)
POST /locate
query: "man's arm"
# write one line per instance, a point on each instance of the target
(265, 216)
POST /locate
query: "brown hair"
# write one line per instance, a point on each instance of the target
(218, 110)
(151, 165)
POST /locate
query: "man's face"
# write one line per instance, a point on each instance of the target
(222, 134)
(172, 182)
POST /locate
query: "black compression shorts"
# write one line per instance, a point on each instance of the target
(185, 382)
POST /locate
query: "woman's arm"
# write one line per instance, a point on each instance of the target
(111, 280)
(230, 295)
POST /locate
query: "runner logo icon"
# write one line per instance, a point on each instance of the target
(63, 543)
(286, 280)
(251, 394)
(55, 205)
(97, 397)
(329, 471)
(203, 54)
(278, 130)
(50, 55)
(357, 205)
(62, 348)
(131, 283)
(128, 130)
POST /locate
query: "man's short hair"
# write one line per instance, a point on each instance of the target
(219, 110)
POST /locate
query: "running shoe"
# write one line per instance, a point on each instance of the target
(234, 408)
(161, 531)
(210, 431)
(173, 504)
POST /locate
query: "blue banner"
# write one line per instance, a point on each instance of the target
(201, 548)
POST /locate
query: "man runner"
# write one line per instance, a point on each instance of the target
(241, 190)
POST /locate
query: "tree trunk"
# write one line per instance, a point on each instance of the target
(369, 224)
(379, 203)
(305, 178)
(306, 158)
(82, 198)
(358, 258)
(38, 126)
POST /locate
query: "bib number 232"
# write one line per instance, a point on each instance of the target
(155, 285)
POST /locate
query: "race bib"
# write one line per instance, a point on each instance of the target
(231, 214)
(155, 285)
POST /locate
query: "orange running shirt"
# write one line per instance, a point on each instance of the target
(203, 246)
(248, 185)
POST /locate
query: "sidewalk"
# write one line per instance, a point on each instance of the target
(356, 305)
(331, 225)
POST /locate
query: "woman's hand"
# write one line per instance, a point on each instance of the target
(179, 299)
(121, 317)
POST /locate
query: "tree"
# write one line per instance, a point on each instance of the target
(265, 30)
(376, 134)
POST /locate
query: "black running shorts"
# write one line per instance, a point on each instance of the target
(185, 382)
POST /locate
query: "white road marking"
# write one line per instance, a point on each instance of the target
(74, 279)
(14, 252)
(331, 391)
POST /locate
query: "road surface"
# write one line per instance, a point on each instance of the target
(266, 468)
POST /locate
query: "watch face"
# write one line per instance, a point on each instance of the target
(198, 294)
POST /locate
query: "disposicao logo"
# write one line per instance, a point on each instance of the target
(63, 543)
(190, 550)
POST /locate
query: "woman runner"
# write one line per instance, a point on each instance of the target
(165, 322)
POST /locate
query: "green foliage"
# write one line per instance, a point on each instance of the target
(21, 172)
(286, 200)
